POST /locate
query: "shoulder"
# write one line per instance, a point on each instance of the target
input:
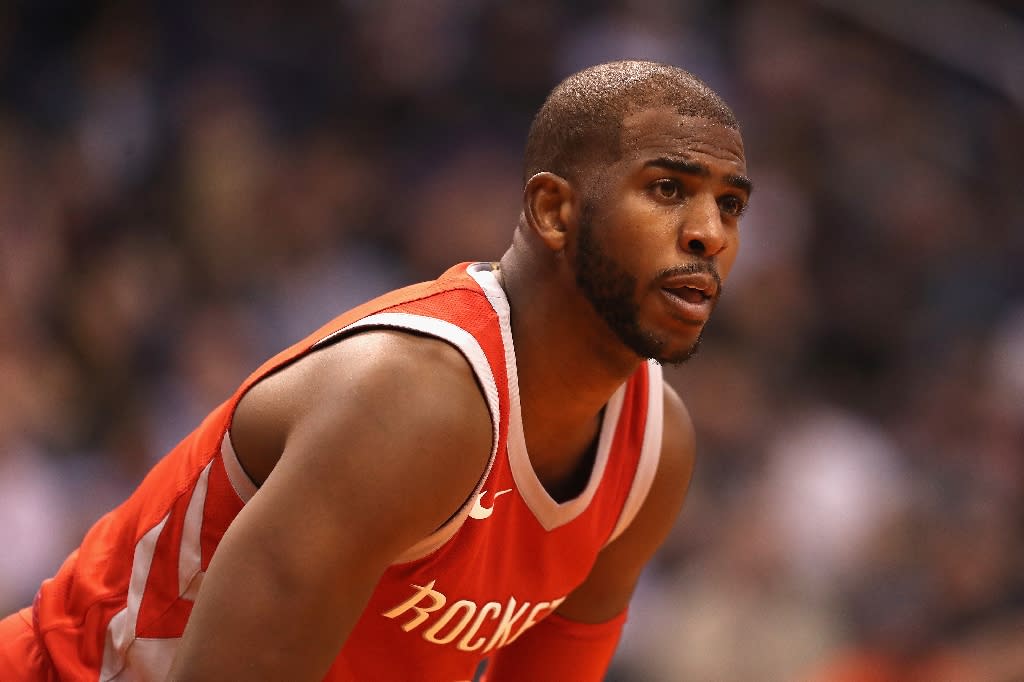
(670, 481)
(412, 381)
(612, 579)
(671, 477)
(679, 440)
(378, 386)
(384, 432)
(393, 360)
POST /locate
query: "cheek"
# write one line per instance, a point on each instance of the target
(728, 257)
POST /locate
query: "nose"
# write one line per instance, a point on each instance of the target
(702, 233)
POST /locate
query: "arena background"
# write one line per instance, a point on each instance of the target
(185, 187)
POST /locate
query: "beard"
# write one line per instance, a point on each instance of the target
(611, 290)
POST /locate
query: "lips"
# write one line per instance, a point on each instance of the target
(693, 287)
(691, 296)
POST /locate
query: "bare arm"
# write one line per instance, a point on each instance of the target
(578, 641)
(383, 436)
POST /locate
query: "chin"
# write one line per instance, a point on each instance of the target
(679, 351)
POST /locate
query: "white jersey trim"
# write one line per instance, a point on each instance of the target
(650, 451)
(121, 629)
(127, 658)
(549, 513)
(190, 557)
(239, 480)
(474, 354)
(149, 660)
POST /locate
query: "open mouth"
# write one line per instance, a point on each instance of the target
(690, 294)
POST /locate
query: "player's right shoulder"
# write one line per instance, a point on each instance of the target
(388, 368)
(374, 380)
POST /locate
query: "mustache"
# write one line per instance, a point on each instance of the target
(705, 267)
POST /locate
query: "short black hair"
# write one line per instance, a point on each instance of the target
(581, 120)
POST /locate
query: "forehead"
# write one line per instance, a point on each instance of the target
(663, 132)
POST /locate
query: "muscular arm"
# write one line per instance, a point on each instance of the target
(578, 641)
(382, 436)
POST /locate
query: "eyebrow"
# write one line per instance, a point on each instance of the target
(696, 168)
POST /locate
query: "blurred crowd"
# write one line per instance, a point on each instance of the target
(187, 187)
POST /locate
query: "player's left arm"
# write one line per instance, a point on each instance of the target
(577, 641)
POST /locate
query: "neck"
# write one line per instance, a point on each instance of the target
(569, 361)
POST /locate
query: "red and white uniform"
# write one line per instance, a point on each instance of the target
(117, 607)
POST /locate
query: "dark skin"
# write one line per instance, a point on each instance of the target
(342, 447)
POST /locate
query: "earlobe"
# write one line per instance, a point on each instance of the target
(547, 204)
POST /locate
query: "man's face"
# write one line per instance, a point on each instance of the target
(658, 231)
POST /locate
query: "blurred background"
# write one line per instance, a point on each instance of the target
(186, 187)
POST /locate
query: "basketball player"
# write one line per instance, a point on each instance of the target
(474, 467)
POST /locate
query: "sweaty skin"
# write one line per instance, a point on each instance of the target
(674, 171)
(312, 543)
(649, 219)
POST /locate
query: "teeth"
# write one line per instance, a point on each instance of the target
(691, 294)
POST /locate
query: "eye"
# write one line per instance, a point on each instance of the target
(666, 188)
(732, 205)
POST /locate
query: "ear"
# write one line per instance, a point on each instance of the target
(548, 207)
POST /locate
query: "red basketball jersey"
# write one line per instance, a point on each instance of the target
(508, 558)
